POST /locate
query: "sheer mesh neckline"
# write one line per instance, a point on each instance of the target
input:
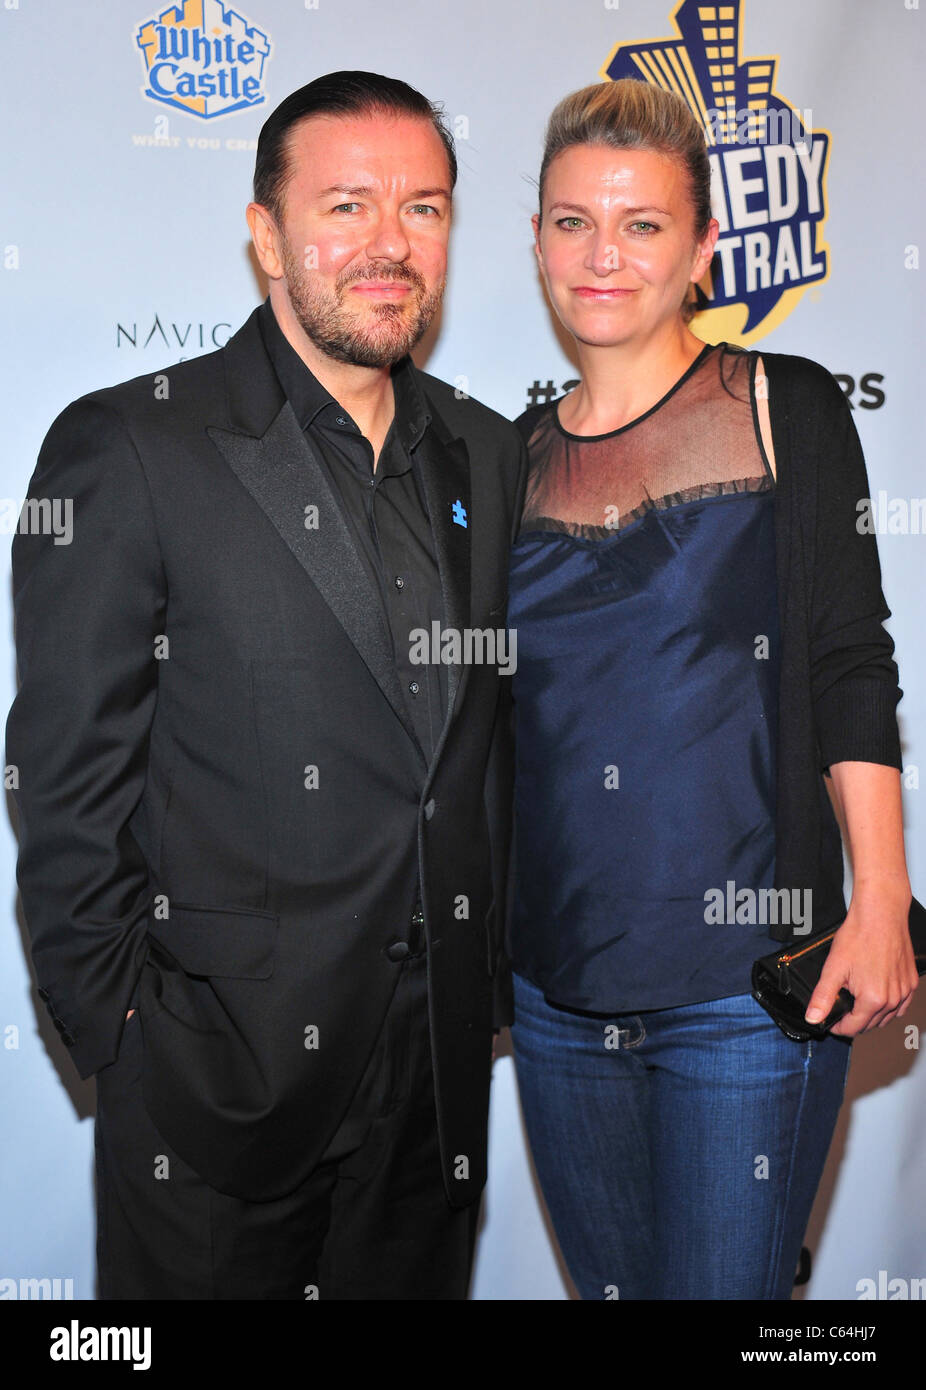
(638, 420)
(701, 440)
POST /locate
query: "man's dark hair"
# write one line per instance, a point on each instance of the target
(336, 94)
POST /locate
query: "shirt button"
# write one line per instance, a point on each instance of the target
(414, 687)
(399, 950)
(340, 420)
(399, 582)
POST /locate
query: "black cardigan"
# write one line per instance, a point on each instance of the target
(838, 688)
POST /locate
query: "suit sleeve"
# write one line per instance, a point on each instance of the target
(853, 674)
(87, 611)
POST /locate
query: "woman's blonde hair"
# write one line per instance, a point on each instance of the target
(634, 115)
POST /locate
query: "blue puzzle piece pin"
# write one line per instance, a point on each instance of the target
(459, 513)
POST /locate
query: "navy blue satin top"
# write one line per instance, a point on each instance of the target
(646, 702)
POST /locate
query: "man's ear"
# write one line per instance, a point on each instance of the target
(265, 235)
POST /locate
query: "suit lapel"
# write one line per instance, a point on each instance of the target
(268, 452)
(276, 465)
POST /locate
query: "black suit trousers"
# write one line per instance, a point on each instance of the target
(372, 1220)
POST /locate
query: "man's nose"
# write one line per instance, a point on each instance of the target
(389, 240)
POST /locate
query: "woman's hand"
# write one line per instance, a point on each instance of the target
(872, 957)
(871, 954)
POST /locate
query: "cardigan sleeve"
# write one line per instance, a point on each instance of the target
(854, 679)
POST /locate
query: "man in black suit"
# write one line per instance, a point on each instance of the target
(263, 844)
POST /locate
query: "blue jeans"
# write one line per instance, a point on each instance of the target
(679, 1150)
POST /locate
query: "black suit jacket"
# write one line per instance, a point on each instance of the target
(224, 812)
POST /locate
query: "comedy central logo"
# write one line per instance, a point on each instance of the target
(767, 168)
(204, 58)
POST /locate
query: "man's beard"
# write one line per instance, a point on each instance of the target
(346, 336)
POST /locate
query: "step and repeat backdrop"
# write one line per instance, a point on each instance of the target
(130, 138)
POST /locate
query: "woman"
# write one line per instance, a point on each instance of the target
(699, 642)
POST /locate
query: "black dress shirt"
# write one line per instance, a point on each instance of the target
(385, 511)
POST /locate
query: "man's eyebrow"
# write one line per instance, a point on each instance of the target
(363, 191)
(360, 189)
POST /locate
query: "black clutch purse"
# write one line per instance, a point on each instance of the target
(784, 981)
